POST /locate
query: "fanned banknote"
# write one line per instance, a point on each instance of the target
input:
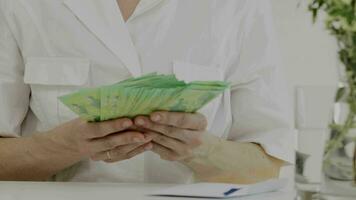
(142, 96)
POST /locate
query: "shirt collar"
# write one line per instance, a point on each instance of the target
(144, 6)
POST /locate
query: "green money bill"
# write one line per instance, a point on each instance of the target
(142, 96)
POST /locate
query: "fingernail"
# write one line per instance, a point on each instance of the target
(156, 117)
(126, 124)
(140, 122)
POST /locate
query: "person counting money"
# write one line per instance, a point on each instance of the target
(50, 49)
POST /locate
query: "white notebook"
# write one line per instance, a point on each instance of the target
(220, 190)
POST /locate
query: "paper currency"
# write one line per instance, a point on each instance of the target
(142, 96)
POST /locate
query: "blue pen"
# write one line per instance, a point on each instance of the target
(231, 191)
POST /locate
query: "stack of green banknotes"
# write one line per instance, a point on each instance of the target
(142, 96)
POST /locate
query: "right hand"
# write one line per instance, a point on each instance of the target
(95, 140)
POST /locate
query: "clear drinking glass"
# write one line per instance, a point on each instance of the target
(313, 110)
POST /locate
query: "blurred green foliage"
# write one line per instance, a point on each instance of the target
(341, 22)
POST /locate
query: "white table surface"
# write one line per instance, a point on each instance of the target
(101, 191)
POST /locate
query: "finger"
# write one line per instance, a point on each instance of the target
(170, 143)
(184, 135)
(164, 153)
(118, 152)
(136, 128)
(141, 149)
(194, 121)
(115, 140)
(131, 154)
(102, 129)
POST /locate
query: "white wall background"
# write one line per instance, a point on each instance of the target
(310, 58)
(309, 52)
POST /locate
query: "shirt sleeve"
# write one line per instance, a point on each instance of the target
(14, 94)
(261, 107)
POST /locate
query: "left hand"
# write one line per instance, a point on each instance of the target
(174, 135)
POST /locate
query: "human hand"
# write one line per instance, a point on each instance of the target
(108, 141)
(174, 135)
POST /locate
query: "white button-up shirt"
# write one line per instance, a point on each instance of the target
(52, 48)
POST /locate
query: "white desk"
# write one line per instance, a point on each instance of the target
(99, 191)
